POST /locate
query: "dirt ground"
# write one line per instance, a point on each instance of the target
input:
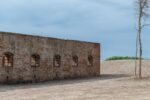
(115, 83)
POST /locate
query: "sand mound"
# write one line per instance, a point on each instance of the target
(124, 67)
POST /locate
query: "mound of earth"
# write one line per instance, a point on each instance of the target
(126, 67)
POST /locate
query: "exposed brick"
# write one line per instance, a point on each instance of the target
(23, 46)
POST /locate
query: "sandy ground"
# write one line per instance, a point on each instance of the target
(115, 83)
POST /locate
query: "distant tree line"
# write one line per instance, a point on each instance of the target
(121, 58)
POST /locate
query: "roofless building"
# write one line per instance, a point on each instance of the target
(27, 58)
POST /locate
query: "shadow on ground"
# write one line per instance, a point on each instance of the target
(5, 88)
(112, 76)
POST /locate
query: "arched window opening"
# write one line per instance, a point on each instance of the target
(90, 60)
(35, 60)
(57, 61)
(75, 60)
(8, 60)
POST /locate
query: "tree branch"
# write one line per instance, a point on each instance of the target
(145, 25)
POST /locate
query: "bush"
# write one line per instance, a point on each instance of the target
(121, 58)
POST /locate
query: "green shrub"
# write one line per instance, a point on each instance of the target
(121, 58)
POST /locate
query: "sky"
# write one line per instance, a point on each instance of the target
(109, 22)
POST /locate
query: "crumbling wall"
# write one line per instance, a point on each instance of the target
(23, 46)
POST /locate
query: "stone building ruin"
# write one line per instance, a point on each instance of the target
(27, 58)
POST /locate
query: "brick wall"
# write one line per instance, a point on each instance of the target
(24, 46)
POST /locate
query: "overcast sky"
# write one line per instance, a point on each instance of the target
(109, 22)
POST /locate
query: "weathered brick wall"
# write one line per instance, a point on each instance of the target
(23, 46)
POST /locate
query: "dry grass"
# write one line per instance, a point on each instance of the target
(116, 83)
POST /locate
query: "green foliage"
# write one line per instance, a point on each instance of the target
(121, 58)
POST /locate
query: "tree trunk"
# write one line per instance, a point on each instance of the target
(140, 43)
(140, 58)
(136, 55)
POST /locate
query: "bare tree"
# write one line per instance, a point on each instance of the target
(142, 13)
